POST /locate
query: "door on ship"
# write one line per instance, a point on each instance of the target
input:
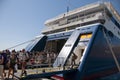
(79, 50)
(55, 45)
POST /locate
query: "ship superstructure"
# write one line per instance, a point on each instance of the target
(89, 14)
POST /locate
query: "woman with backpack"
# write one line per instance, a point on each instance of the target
(12, 62)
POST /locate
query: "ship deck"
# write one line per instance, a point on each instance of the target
(39, 71)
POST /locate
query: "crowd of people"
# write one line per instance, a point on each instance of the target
(11, 60)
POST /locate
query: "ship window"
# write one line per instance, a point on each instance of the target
(63, 22)
(86, 36)
(56, 22)
(73, 18)
(104, 29)
(118, 33)
(110, 33)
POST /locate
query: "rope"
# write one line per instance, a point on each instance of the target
(20, 44)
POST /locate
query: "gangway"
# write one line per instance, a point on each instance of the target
(51, 73)
(37, 44)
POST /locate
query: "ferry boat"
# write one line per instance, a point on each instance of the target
(92, 32)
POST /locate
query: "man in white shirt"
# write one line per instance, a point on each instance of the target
(23, 56)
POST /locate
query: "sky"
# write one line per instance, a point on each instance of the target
(22, 20)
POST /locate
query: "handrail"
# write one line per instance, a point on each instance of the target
(73, 20)
(70, 12)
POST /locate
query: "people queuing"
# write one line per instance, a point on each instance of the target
(22, 58)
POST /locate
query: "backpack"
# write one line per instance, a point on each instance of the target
(5, 58)
(27, 57)
(0, 56)
(1, 59)
(12, 61)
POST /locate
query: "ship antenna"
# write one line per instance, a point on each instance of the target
(68, 6)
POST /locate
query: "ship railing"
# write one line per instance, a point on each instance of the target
(73, 11)
(49, 69)
(93, 16)
(81, 19)
(41, 68)
(86, 6)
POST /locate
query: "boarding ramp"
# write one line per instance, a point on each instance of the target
(37, 44)
(67, 49)
(48, 73)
